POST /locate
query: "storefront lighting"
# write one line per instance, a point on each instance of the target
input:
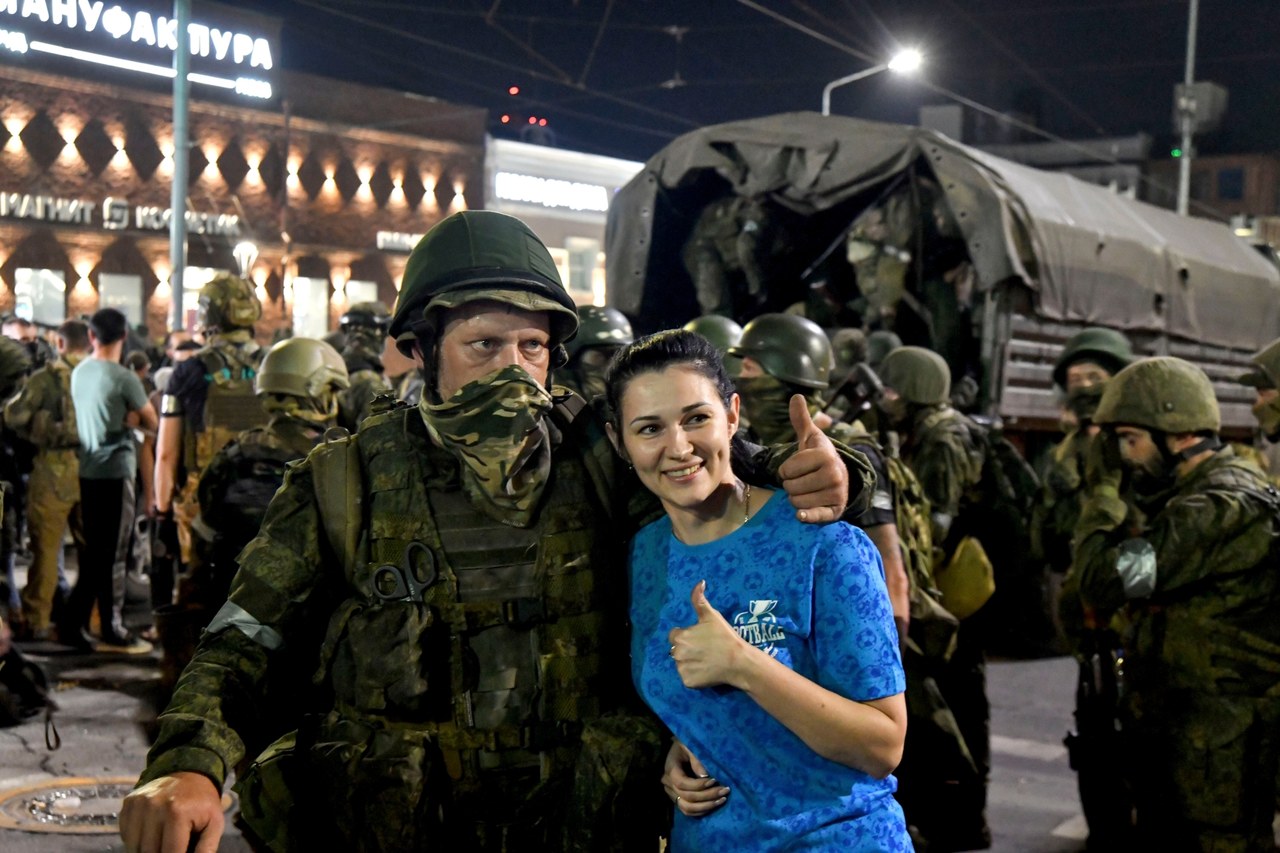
(542, 122)
(506, 119)
(533, 120)
(163, 291)
(241, 85)
(245, 254)
(513, 90)
(459, 198)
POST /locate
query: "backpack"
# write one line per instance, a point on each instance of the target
(231, 404)
(1009, 483)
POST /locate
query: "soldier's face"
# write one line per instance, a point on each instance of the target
(676, 432)
(750, 368)
(1085, 374)
(1139, 451)
(482, 337)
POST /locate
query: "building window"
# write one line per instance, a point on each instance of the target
(123, 293)
(310, 307)
(1231, 184)
(582, 254)
(40, 295)
(361, 291)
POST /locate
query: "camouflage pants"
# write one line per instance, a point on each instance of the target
(1204, 770)
(53, 493)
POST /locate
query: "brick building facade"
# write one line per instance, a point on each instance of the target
(326, 183)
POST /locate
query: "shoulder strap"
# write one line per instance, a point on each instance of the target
(574, 417)
(339, 488)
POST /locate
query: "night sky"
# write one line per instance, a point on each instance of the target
(613, 77)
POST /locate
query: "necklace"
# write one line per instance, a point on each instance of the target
(746, 505)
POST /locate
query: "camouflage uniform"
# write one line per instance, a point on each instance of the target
(364, 328)
(43, 414)
(14, 365)
(1195, 572)
(942, 449)
(224, 370)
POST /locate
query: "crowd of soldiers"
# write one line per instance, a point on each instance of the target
(421, 635)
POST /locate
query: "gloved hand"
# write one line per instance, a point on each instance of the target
(164, 538)
(1103, 464)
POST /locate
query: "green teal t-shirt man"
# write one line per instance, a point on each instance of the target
(104, 393)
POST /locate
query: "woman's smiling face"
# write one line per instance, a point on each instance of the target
(676, 433)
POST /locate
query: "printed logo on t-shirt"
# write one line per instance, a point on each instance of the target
(759, 627)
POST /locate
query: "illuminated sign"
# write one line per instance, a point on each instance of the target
(550, 192)
(396, 241)
(117, 215)
(228, 56)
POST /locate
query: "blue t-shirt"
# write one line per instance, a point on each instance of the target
(812, 596)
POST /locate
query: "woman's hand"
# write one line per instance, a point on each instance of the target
(708, 652)
(687, 784)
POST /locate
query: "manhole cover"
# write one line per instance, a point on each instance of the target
(76, 804)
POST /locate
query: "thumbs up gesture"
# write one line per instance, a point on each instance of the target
(708, 652)
(815, 477)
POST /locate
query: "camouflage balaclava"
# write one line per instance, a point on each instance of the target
(766, 404)
(496, 427)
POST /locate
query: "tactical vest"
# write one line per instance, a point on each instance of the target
(932, 627)
(230, 406)
(232, 508)
(492, 670)
(50, 427)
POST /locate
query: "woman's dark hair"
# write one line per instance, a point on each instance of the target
(655, 353)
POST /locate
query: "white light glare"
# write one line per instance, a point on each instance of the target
(906, 61)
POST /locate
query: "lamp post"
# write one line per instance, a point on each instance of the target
(903, 62)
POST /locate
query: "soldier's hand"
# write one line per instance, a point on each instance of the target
(165, 545)
(815, 478)
(1103, 464)
(165, 815)
(688, 784)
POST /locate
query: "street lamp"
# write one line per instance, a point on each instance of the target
(903, 62)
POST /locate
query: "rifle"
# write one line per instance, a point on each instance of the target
(861, 387)
(1095, 748)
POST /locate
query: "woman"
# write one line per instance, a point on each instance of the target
(767, 646)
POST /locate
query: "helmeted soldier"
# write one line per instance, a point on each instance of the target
(1264, 378)
(209, 401)
(1088, 360)
(43, 414)
(721, 331)
(456, 571)
(1191, 559)
(15, 363)
(364, 336)
(602, 331)
(299, 382)
(945, 451)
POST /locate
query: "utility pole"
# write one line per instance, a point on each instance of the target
(1186, 112)
(181, 162)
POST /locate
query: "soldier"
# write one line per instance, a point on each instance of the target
(364, 336)
(945, 451)
(1192, 561)
(208, 402)
(1088, 360)
(601, 333)
(456, 571)
(1266, 407)
(44, 415)
(784, 355)
(722, 332)
(300, 382)
(15, 362)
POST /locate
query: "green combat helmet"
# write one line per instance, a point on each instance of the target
(475, 255)
(1105, 347)
(849, 348)
(721, 331)
(1165, 394)
(600, 327)
(788, 347)
(918, 375)
(879, 344)
(366, 315)
(306, 369)
(228, 303)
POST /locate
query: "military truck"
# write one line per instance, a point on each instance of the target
(992, 263)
